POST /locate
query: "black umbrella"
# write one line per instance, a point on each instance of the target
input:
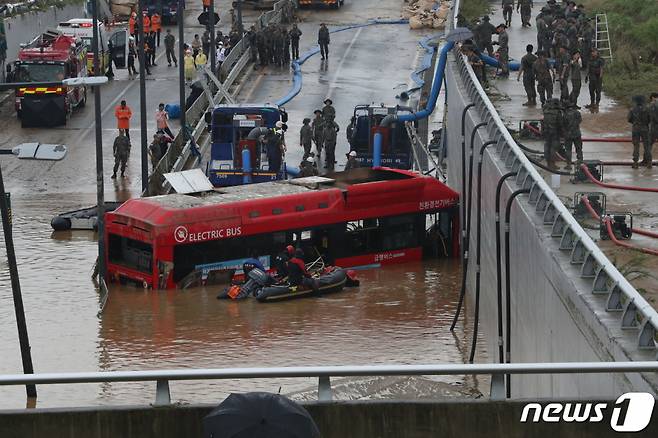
(259, 415)
(459, 34)
(204, 18)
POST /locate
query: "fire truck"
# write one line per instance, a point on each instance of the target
(51, 57)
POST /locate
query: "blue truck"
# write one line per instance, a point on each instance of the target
(230, 127)
(396, 145)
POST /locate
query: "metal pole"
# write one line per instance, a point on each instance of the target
(142, 100)
(100, 188)
(211, 17)
(23, 338)
(240, 28)
(181, 62)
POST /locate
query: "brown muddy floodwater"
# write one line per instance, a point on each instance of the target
(399, 315)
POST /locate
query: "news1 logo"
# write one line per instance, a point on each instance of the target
(631, 412)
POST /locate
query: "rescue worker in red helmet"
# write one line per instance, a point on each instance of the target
(281, 261)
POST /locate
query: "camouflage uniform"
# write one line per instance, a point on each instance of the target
(330, 137)
(653, 109)
(542, 71)
(572, 136)
(318, 132)
(551, 129)
(121, 149)
(306, 139)
(503, 52)
(527, 62)
(563, 69)
(595, 76)
(640, 118)
(575, 69)
(526, 11)
(508, 7)
(483, 32)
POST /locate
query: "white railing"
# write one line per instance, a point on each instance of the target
(637, 315)
(325, 373)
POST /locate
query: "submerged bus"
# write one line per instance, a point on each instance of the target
(396, 145)
(362, 217)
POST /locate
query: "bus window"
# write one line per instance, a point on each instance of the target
(130, 253)
(400, 232)
(362, 237)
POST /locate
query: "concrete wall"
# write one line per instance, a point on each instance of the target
(23, 28)
(374, 419)
(554, 316)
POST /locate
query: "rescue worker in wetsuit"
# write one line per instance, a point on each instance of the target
(640, 118)
(121, 149)
(551, 129)
(297, 273)
(306, 138)
(572, 135)
(528, 76)
(281, 261)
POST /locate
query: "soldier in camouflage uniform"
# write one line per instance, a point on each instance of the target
(528, 76)
(318, 131)
(508, 9)
(595, 77)
(640, 118)
(330, 135)
(653, 109)
(572, 136)
(483, 32)
(306, 137)
(542, 70)
(563, 68)
(503, 49)
(575, 73)
(525, 6)
(551, 129)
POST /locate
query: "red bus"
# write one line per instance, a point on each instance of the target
(357, 218)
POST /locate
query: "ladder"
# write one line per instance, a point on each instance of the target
(602, 41)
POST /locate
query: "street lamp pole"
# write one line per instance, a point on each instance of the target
(23, 338)
(240, 28)
(213, 45)
(142, 99)
(181, 63)
(100, 187)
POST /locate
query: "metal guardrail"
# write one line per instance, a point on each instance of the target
(180, 150)
(637, 315)
(325, 373)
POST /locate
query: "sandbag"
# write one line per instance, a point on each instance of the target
(415, 23)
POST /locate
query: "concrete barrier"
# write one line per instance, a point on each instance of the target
(555, 315)
(372, 419)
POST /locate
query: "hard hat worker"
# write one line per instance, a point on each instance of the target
(123, 113)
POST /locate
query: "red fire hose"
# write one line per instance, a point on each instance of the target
(595, 215)
(589, 175)
(608, 225)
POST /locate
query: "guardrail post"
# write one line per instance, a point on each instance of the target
(324, 388)
(497, 391)
(162, 395)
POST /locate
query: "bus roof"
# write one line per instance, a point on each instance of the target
(343, 192)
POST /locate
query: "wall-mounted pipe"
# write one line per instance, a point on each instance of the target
(377, 150)
(462, 204)
(434, 92)
(466, 237)
(478, 252)
(508, 293)
(499, 276)
(246, 166)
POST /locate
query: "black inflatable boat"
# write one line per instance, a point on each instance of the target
(330, 282)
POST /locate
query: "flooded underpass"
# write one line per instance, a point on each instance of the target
(399, 315)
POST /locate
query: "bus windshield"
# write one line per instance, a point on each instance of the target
(40, 72)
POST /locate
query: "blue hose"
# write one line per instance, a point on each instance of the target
(246, 166)
(377, 150)
(416, 76)
(436, 87)
(489, 60)
(292, 170)
(297, 65)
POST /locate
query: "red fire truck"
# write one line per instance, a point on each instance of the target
(51, 57)
(363, 217)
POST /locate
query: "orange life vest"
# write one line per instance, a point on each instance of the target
(156, 23)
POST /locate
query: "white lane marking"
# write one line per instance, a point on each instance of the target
(255, 85)
(334, 79)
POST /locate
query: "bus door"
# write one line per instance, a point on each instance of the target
(243, 124)
(118, 48)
